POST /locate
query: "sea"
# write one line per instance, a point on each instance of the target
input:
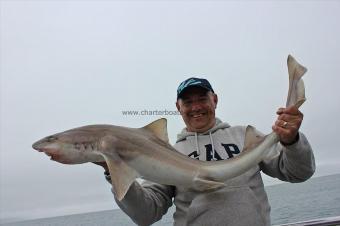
(316, 198)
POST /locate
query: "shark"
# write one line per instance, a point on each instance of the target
(145, 152)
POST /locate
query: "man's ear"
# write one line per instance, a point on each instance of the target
(177, 106)
(215, 100)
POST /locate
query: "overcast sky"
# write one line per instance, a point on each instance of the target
(71, 63)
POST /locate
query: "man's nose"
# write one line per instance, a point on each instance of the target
(196, 106)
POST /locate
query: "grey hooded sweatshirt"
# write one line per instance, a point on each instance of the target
(242, 202)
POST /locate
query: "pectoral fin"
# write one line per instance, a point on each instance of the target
(122, 176)
(296, 91)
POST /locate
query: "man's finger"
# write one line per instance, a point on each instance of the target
(280, 111)
(292, 110)
(281, 123)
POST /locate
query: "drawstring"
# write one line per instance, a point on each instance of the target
(197, 147)
(212, 146)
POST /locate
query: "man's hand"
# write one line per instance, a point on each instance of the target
(287, 124)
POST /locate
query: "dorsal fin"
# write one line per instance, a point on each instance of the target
(252, 138)
(158, 128)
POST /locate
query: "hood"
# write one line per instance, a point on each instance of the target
(219, 125)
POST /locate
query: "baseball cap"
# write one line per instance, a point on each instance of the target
(190, 82)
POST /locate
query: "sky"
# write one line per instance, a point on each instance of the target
(65, 64)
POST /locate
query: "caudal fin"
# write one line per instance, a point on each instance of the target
(296, 91)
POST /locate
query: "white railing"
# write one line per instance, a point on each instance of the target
(329, 221)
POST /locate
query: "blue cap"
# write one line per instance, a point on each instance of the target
(190, 82)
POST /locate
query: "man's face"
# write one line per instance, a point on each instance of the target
(197, 107)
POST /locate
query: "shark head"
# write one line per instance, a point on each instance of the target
(47, 143)
(70, 147)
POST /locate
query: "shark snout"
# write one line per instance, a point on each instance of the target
(37, 146)
(45, 143)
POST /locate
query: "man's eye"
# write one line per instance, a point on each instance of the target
(188, 102)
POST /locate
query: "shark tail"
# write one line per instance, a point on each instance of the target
(296, 91)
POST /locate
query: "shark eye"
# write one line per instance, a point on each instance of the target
(51, 138)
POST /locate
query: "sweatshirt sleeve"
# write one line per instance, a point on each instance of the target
(146, 203)
(294, 163)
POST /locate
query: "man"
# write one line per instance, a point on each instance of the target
(243, 202)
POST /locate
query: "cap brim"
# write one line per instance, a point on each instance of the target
(194, 85)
